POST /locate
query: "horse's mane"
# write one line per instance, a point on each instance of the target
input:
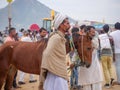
(75, 35)
(43, 40)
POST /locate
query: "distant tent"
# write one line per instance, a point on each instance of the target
(34, 27)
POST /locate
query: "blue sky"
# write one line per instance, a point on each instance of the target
(96, 10)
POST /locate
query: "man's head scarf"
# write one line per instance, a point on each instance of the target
(59, 18)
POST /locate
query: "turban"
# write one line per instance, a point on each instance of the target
(59, 18)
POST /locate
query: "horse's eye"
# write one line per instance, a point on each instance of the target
(88, 48)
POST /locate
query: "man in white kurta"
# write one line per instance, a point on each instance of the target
(116, 38)
(53, 74)
(91, 78)
(25, 38)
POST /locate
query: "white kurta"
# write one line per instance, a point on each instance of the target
(93, 74)
(22, 74)
(54, 82)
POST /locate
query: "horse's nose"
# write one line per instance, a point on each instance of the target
(87, 64)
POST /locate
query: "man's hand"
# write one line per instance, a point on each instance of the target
(72, 65)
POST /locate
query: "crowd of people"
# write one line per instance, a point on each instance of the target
(34, 35)
(106, 49)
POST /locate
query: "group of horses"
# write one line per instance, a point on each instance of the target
(27, 56)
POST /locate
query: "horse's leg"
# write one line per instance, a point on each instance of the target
(2, 78)
(10, 77)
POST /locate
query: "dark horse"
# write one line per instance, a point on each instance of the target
(27, 56)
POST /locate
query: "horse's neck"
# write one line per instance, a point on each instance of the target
(43, 43)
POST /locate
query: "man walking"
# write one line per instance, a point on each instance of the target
(106, 55)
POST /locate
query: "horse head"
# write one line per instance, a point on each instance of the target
(83, 45)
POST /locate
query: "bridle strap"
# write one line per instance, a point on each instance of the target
(82, 48)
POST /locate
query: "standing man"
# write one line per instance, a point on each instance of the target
(53, 68)
(25, 38)
(116, 38)
(11, 38)
(106, 55)
(42, 34)
(91, 78)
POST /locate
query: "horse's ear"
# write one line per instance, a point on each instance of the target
(75, 36)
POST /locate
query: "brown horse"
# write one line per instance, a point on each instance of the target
(27, 57)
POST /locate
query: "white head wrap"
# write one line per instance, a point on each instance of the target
(59, 18)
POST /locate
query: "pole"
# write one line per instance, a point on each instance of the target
(9, 13)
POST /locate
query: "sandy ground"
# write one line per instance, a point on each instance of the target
(34, 86)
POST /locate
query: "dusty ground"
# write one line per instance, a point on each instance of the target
(34, 86)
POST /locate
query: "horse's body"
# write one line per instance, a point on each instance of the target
(27, 57)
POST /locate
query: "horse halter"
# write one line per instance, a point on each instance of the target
(82, 49)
